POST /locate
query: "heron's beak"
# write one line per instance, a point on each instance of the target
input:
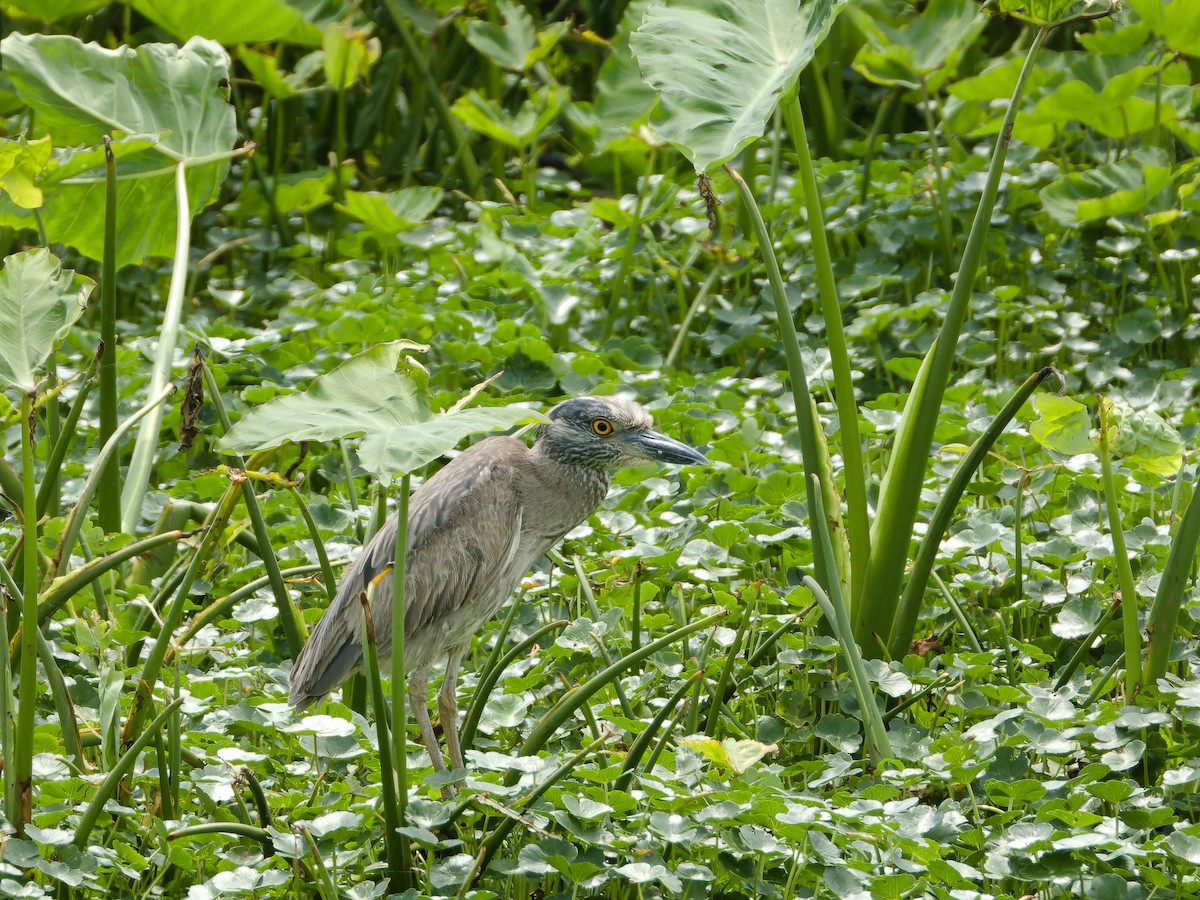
(658, 447)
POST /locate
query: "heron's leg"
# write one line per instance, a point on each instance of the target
(418, 699)
(448, 707)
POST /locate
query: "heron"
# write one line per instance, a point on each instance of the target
(475, 528)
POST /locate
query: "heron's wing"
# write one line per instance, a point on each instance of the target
(464, 531)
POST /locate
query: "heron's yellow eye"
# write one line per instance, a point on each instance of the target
(602, 427)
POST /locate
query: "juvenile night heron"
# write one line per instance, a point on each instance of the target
(474, 530)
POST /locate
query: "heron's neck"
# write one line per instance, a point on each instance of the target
(568, 493)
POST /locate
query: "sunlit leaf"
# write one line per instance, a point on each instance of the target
(1117, 189)
(51, 10)
(231, 22)
(1145, 441)
(516, 45)
(349, 55)
(516, 131)
(1063, 425)
(20, 166)
(390, 213)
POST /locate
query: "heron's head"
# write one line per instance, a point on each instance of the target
(609, 433)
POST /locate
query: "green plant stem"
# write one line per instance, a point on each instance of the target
(434, 90)
(904, 625)
(290, 619)
(579, 695)
(643, 741)
(21, 811)
(681, 335)
(833, 605)
(137, 479)
(78, 513)
(797, 376)
(8, 701)
(122, 767)
(1172, 591)
(173, 614)
(58, 451)
(858, 525)
(397, 844)
(941, 210)
(108, 513)
(1129, 605)
(492, 672)
(897, 509)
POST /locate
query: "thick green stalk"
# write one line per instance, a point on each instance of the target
(1164, 611)
(109, 498)
(8, 701)
(108, 451)
(1129, 604)
(173, 614)
(904, 626)
(833, 606)
(795, 363)
(897, 509)
(58, 452)
(858, 525)
(398, 860)
(579, 695)
(137, 479)
(21, 811)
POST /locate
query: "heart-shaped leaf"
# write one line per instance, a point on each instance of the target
(720, 68)
(366, 395)
(171, 100)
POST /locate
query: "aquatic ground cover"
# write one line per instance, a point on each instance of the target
(516, 189)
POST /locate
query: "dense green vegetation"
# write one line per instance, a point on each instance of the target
(973, 673)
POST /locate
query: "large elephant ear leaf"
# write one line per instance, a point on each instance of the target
(720, 68)
(164, 105)
(367, 396)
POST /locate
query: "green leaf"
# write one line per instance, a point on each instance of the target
(516, 45)
(1118, 189)
(1144, 440)
(721, 68)
(518, 131)
(366, 395)
(395, 211)
(349, 55)
(20, 164)
(171, 102)
(52, 10)
(1176, 21)
(231, 22)
(926, 49)
(1063, 425)
(39, 301)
